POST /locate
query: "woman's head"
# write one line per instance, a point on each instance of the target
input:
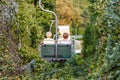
(48, 34)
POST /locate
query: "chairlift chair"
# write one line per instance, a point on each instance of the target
(57, 51)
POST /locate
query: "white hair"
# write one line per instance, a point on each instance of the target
(48, 34)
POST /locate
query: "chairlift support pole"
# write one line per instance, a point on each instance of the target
(56, 21)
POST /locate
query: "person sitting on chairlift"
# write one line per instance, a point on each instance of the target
(65, 39)
(48, 40)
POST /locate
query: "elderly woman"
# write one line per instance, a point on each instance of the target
(48, 39)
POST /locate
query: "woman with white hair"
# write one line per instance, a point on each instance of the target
(48, 39)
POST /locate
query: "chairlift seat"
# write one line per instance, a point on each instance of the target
(63, 51)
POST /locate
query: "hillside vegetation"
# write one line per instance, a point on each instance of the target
(22, 26)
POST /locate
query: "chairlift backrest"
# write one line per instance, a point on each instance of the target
(64, 51)
(63, 29)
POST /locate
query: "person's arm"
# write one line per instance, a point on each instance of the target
(42, 42)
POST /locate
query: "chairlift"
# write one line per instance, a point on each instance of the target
(56, 52)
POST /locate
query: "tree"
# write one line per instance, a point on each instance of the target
(104, 17)
(9, 58)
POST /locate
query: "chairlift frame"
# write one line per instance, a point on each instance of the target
(56, 52)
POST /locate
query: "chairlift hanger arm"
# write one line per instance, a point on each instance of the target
(56, 20)
(45, 9)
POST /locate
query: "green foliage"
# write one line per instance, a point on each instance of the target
(32, 23)
(104, 18)
(112, 58)
(112, 55)
(67, 71)
(90, 40)
(20, 34)
(33, 37)
(20, 31)
(9, 59)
